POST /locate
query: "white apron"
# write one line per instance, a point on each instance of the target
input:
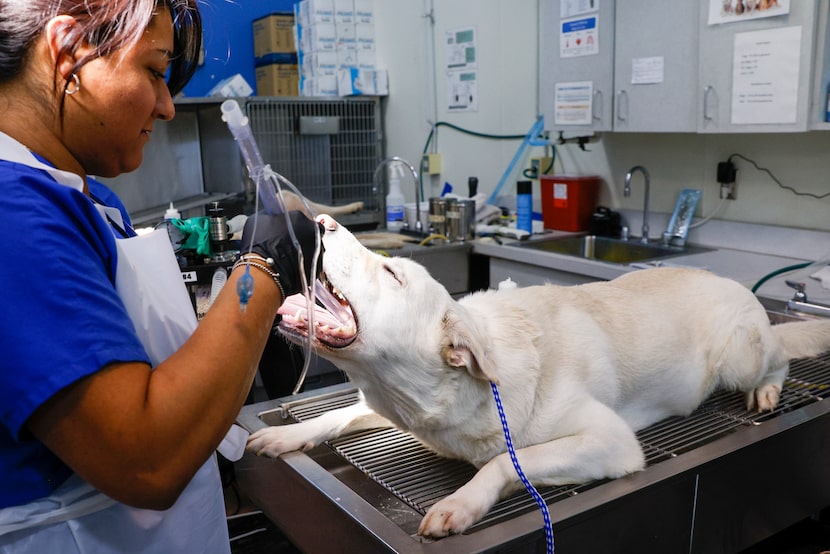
(78, 519)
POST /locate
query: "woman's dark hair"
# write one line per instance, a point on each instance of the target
(109, 25)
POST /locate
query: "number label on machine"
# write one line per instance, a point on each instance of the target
(189, 276)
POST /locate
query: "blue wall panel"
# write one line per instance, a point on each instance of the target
(229, 40)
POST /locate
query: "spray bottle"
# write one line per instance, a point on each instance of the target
(394, 203)
(524, 206)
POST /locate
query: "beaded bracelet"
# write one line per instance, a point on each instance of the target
(263, 264)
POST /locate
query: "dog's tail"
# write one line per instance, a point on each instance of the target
(803, 339)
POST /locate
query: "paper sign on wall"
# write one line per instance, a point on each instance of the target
(579, 37)
(573, 103)
(765, 68)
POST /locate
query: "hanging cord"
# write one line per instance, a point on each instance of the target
(776, 181)
(525, 481)
(706, 219)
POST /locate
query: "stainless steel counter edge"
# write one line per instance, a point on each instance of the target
(744, 267)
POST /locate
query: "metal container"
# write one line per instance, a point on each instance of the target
(438, 216)
(218, 227)
(453, 220)
(466, 220)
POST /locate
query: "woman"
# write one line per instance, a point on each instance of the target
(112, 400)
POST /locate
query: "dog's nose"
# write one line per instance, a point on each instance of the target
(328, 223)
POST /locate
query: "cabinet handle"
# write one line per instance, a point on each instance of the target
(706, 90)
(622, 95)
(596, 102)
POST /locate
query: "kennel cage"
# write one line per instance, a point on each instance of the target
(328, 148)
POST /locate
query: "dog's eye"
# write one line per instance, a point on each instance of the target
(392, 273)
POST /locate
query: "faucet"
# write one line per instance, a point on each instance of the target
(627, 193)
(395, 159)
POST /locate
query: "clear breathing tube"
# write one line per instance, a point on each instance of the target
(269, 191)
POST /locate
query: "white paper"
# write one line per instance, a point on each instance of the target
(765, 69)
(579, 37)
(462, 91)
(646, 71)
(731, 11)
(570, 8)
(461, 48)
(573, 103)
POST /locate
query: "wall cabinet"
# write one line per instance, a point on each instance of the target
(671, 71)
(716, 69)
(596, 69)
(655, 66)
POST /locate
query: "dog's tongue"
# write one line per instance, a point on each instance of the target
(333, 316)
(296, 307)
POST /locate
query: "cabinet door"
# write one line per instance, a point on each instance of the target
(655, 66)
(717, 42)
(594, 68)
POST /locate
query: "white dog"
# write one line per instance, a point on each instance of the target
(579, 369)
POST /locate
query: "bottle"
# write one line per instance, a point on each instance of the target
(472, 186)
(394, 205)
(827, 115)
(172, 213)
(524, 206)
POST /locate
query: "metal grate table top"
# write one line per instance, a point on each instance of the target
(418, 477)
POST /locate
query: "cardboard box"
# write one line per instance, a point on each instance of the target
(236, 85)
(277, 80)
(317, 11)
(365, 35)
(323, 85)
(352, 81)
(322, 36)
(319, 63)
(274, 34)
(364, 11)
(343, 11)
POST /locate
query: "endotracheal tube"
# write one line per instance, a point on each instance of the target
(269, 191)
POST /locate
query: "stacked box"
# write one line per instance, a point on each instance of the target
(274, 34)
(275, 55)
(334, 37)
(277, 79)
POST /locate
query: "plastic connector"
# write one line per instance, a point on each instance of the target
(727, 174)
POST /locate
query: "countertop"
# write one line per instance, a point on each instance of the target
(745, 267)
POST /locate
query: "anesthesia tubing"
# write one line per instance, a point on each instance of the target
(269, 191)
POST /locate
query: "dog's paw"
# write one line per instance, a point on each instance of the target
(454, 514)
(764, 398)
(276, 440)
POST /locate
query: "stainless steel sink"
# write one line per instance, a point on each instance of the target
(608, 249)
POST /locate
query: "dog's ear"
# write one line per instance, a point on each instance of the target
(463, 346)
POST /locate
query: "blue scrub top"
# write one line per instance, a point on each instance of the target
(63, 318)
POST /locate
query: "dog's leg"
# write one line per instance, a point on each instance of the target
(764, 397)
(278, 439)
(608, 448)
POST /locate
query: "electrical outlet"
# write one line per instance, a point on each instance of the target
(541, 166)
(729, 190)
(431, 164)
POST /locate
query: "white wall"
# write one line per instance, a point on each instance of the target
(508, 42)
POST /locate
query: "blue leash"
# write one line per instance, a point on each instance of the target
(530, 488)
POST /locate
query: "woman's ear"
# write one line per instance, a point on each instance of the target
(57, 33)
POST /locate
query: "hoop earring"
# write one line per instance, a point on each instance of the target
(77, 82)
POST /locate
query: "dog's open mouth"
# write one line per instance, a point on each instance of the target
(335, 325)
